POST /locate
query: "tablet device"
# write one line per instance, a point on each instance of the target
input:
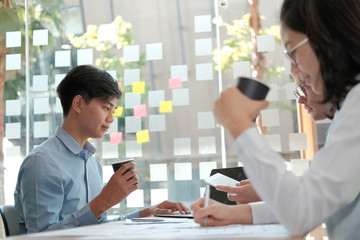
(175, 215)
(221, 179)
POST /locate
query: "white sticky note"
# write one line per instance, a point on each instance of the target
(13, 153)
(207, 145)
(132, 124)
(107, 32)
(154, 51)
(241, 68)
(270, 117)
(108, 171)
(155, 97)
(132, 100)
(113, 126)
(58, 107)
(297, 141)
(180, 97)
(203, 47)
(62, 58)
(289, 88)
(158, 196)
(12, 130)
(179, 71)
(85, 56)
(202, 23)
(13, 107)
(110, 150)
(206, 120)
(133, 149)
(157, 123)
(40, 83)
(13, 61)
(40, 37)
(204, 71)
(265, 43)
(273, 94)
(41, 105)
(13, 39)
(41, 129)
(112, 73)
(274, 141)
(182, 171)
(158, 172)
(131, 53)
(131, 76)
(135, 199)
(205, 169)
(58, 79)
(182, 146)
(299, 166)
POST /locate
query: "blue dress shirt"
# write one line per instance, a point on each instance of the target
(56, 183)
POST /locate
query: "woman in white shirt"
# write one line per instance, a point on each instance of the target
(322, 41)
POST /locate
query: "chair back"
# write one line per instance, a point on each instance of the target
(11, 220)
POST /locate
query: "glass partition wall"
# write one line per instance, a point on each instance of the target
(171, 59)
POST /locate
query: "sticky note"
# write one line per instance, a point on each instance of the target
(289, 88)
(205, 169)
(265, 43)
(157, 123)
(58, 107)
(119, 84)
(58, 79)
(207, 145)
(158, 195)
(131, 76)
(180, 71)
(138, 87)
(107, 32)
(62, 58)
(131, 53)
(165, 106)
(155, 97)
(13, 39)
(40, 37)
(135, 199)
(175, 83)
(297, 141)
(158, 172)
(180, 97)
(112, 73)
(299, 166)
(13, 62)
(203, 47)
(41, 129)
(113, 126)
(118, 111)
(274, 141)
(270, 117)
(13, 107)
(13, 152)
(12, 130)
(41, 105)
(204, 71)
(132, 124)
(182, 171)
(85, 56)
(273, 94)
(241, 68)
(143, 136)
(40, 83)
(182, 146)
(132, 99)
(206, 120)
(140, 110)
(154, 51)
(116, 138)
(133, 149)
(110, 150)
(202, 23)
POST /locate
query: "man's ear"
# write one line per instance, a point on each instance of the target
(77, 103)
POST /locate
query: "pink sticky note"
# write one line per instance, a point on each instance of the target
(140, 111)
(120, 84)
(116, 138)
(175, 82)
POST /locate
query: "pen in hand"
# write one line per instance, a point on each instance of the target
(207, 197)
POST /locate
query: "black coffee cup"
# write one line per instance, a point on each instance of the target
(118, 165)
(252, 88)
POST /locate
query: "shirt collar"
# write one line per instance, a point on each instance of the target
(72, 145)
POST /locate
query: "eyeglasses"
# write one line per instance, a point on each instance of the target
(290, 54)
(300, 92)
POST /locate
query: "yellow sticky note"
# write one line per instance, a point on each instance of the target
(165, 106)
(118, 111)
(138, 87)
(142, 136)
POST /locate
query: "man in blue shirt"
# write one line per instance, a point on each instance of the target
(60, 182)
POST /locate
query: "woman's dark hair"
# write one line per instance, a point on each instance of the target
(89, 82)
(333, 29)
